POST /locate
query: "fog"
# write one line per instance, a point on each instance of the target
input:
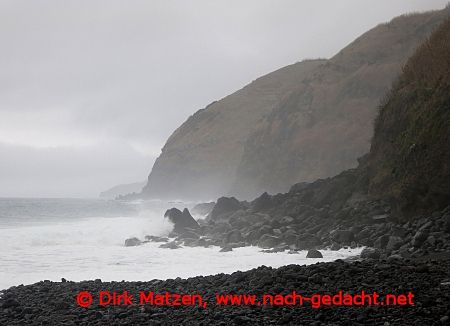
(90, 90)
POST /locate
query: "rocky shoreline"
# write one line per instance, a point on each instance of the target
(310, 217)
(54, 303)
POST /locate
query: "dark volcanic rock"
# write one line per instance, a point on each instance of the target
(382, 241)
(203, 208)
(419, 238)
(225, 205)
(154, 238)
(343, 236)
(181, 220)
(370, 253)
(312, 253)
(170, 245)
(226, 249)
(54, 303)
(307, 241)
(234, 237)
(268, 241)
(394, 243)
(132, 242)
(263, 202)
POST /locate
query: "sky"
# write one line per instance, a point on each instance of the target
(90, 90)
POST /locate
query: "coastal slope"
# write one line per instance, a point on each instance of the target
(306, 121)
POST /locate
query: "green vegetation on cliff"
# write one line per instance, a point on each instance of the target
(409, 161)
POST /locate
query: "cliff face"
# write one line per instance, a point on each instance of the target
(200, 158)
(305, 121)
(322, 127)
(409, 161)
(397, 200)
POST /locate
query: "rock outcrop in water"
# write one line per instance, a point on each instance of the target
(306, 121)
(182, 220)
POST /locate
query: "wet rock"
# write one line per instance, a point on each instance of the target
(289, 237)
(10, 303)
(394, 257)
(286, 220)
(382, 241)
(132, 242)
(188, 234)
(394, 243)
(156, 239)
(268, 241)
(181, 220)
(262, 202)
(419, 238)
(312, 253)
(431, 240)
(234, 237)
(429, 280)
(343, 236)
(307, 241)
(426, 226)
(226, 249)
(223, 206)
(170, 245)
(335, 246)
(398, 231)
(370, 253)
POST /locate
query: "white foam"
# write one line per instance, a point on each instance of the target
(91, 248)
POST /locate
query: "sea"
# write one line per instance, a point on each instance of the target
(83, 239)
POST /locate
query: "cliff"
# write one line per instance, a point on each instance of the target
(397, 200)
(306, 121)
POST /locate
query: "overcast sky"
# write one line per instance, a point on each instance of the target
(90, 90)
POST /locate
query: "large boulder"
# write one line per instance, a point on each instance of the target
(220, 228)
(382, 241)
(268, 241)
(290, 237)
(343, 236)
(419, 238)
(312, 253)
(181, 220)
(234, 236)
(225, 205)
(262, 202)
(370, 253)
(307, 241)
(394, 243)
(132, 242)
(226, 249)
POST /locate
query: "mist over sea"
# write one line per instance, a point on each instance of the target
(80, 239)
